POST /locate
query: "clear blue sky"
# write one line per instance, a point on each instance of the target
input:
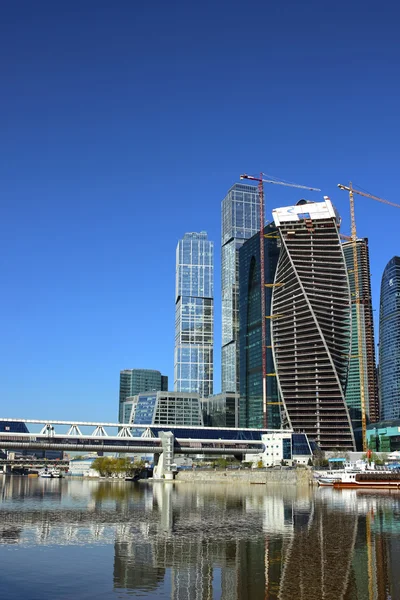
(122, 126)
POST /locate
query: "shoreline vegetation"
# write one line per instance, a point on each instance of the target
(118, 468)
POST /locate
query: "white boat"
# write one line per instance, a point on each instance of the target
(46, 473)
(325, 481)
(50, 473)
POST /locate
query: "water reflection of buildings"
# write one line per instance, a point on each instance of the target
(222, 541)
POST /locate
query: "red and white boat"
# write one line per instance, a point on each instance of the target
(369, 479)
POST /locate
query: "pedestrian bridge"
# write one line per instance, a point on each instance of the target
(162, 441)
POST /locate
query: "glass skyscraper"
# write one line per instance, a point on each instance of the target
(353, 392)
(194, 315)
(250, 350)
(240, 221)
(135, 381)
(389, 341)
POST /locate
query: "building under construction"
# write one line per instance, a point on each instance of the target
(311, 323)
(353, 392)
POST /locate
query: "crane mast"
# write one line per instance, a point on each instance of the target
(260, 185)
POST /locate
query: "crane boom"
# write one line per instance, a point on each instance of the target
(348, 189)
(294, 185)
(260, 180)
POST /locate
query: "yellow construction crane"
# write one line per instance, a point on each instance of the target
(357, 298)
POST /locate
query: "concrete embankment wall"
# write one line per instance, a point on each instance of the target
(289, 477)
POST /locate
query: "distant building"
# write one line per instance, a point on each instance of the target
(135, 381)
(251, 376)
(167, 408)
(389, 341)
(384, 436)
(353, 387)
(311, 320)
(283, 446)
(13, 427)
(240, 221)
(128, 405)
(194, 315)
(221, 410)
(82, 467)
(20, 427)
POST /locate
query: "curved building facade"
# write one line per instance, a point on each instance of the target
(311, 323)
(389, 341)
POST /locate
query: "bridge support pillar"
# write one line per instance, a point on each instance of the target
(163, 469)
(7, 469)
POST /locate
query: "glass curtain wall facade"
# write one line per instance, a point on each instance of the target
(194, 315)
(167, 408)
(389, 341)
(135, 381)
(221, 410)
(240, 221)
(311, 327)
(251, 376)
(353, 393)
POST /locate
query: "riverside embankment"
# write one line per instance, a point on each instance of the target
(270, 476)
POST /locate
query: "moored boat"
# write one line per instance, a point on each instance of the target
(326, 481)
(50, 473)
(371, 480)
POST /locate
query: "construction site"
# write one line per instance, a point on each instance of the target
(317, 332)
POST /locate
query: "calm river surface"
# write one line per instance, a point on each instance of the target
(79, 539)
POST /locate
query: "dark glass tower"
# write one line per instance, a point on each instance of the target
(240, 221)
(311, 325)
(250, 318)
(389, 341)
(353, 392)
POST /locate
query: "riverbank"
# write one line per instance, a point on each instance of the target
(270, 476)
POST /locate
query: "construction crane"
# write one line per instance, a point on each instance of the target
(357, 298)
(260, 181)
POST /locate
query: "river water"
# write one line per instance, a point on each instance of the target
(81, 539)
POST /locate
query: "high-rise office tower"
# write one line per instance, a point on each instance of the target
(250, 319)
(353, 391)
(240, 221)
(194, 315)
(389, 341)
(135, 381)
(311, 321)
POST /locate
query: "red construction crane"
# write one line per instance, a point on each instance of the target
(260, 180)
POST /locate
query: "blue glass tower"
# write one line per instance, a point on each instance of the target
(194, 315)
(251, 376)
(240, 221)
(389, 341)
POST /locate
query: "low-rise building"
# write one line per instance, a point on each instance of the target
(283, 446)
(82, 467)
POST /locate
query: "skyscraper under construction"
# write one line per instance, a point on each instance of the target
(353, 393)
(311, 323)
